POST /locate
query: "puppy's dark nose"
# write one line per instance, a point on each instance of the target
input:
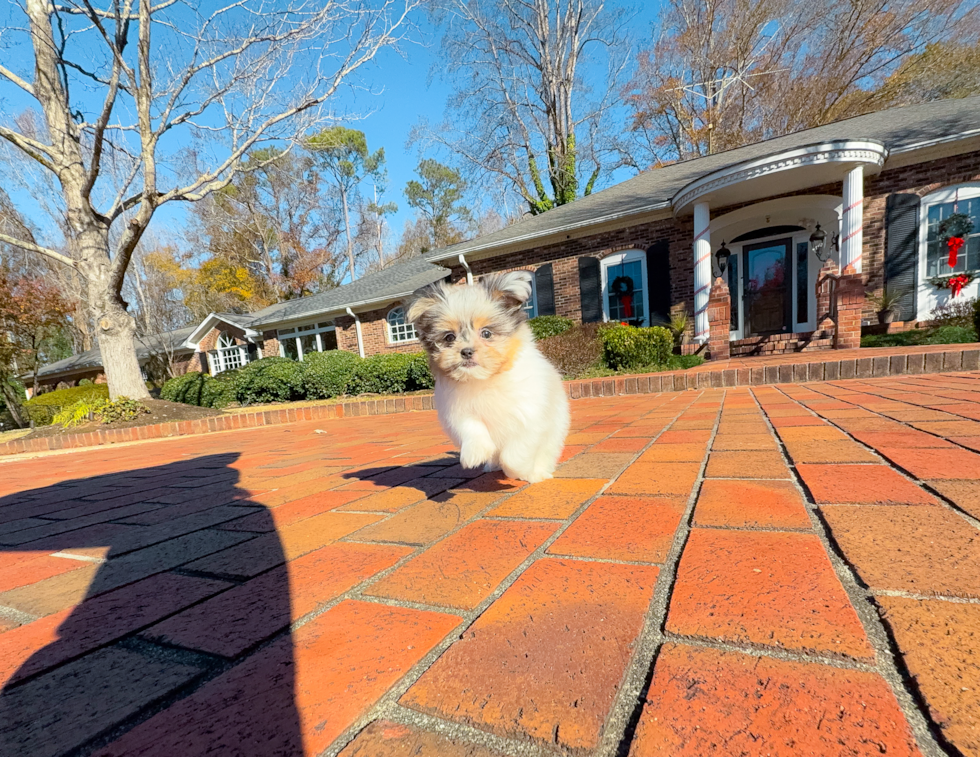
(467, 353)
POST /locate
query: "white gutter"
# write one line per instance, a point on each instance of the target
(469, 273)
(357, 328)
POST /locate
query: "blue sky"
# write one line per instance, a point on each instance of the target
(392, 95)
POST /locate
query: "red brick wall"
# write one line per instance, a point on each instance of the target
(920, 178)
(374, 330)
(564, 257)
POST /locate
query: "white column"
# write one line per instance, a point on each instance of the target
(702, 270)
(852, 222)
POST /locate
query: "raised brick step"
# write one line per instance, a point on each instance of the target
(781, 344)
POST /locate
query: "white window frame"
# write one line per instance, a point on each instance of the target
(408, 328)
(929, 297)
(531, 306)
(611, 261)
(227, 355)
(297, 332)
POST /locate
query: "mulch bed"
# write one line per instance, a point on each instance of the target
(161, 411)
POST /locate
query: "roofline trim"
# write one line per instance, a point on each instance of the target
(608, 218)
(338, 310)
(193, 340)
(937, 141)
(864, 151)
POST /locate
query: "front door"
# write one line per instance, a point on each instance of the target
(766, 287)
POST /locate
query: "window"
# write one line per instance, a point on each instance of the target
(399, 329)
(624, 297)
(937, 255)
(296, 342)
(531, 306)
(228, 355)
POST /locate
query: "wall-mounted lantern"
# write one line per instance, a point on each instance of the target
(722, 257)
(818, 243)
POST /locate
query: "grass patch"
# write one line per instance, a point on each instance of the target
(917, 337)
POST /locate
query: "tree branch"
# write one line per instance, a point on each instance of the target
(31, 247)
(4, 71)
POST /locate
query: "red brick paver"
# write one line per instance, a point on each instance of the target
(783, 569)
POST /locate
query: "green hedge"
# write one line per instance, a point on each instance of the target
(384, 374)
(320, 376)
(631, 347)
(329, 374)
(271, 379)
(44, 407)
(545, 326)
(188, 389)
(221, 390)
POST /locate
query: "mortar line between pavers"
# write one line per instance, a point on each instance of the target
(468, 618)
(630, 698)
(887, 665)
(511, 747)
(906, 474)
(924, 597)
(776, 653)
(921, 385)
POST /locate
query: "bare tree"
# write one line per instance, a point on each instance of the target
(522, 110)
(232, 79)
(724, 73)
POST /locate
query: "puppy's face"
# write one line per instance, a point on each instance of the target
(470, 331)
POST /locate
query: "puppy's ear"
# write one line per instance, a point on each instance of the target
(513, 288)
(423, 300)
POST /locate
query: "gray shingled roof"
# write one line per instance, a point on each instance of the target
(146, 347)
(896, 128)
(390, 283)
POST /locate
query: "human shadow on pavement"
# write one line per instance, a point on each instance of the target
(162, 626)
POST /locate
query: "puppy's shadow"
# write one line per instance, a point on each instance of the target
(440, 476)
(146, 662)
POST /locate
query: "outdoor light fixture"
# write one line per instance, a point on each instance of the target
(722, 255)
(818, 243)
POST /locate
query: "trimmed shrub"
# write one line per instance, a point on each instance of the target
(382, 374)
(86, 382)
(547, 326)
(631, 347)
(44, 407)
(122, 409)
(952, 335)
(575, 351)
(221, 390)
(419, 374)
(329, 374)
(271, 379)
(188, 389)
(955, 312)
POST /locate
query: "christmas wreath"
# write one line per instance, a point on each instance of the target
(954, 283)
(952, 231)
(622, 289)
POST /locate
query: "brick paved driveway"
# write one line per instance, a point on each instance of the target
(779, 571)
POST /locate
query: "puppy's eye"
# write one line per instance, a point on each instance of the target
(486, 334)
(449, 338)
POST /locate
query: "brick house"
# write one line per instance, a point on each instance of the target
(806, 225)
(169, 352)
(809, 223)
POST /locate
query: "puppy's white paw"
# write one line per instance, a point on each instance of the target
(491, 467)
(473, 454)
(537, 477)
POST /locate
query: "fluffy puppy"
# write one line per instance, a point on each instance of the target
(499, 399)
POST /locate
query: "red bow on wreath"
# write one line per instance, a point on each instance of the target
(956, 283)
(622, 288)
(954, 244)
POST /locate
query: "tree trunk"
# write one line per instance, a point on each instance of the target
(116, 329)
(350, 244)
(13, 403)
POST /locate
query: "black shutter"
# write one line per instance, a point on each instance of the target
(590, 289)
(658, 281)
(544, 288)
(902, 251)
